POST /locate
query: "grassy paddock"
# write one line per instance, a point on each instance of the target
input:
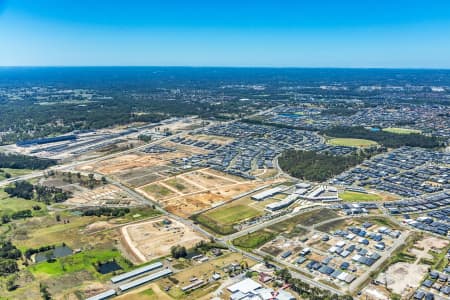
(399, 130)
(254, 240)
(10, 205)
(351, 142)
(307, 218)
(13, 172)
(79, 262)
(212, 225)
(222, 219)
(350, 196)
(232, 214)
(158, 191)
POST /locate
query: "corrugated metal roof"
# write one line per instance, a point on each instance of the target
(104, 295)
(136, 272)
(145, 279)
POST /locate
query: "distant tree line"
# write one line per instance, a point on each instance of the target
(339, 111)
(88, 180)
(121, 109)
(28, 191)
(18, 161)
(277, 125)
(310, 165)
(107, 211)
(387, 139)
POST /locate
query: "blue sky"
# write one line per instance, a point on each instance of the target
(315, 33)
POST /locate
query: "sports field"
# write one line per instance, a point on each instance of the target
(222, 219)
(350, 196)
(351, 142)
(399, 130)
(233, 214)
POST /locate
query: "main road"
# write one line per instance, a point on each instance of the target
(117, 154)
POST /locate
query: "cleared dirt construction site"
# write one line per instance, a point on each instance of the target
(152, 239)
(194, 191)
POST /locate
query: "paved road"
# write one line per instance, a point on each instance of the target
(281, 264)
(361, 279)
(267, 223)
(117, 154)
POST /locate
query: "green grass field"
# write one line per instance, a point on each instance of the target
(158, 191)
(13, 172)
(176, 183)
(228, 215)
(222, 219)
(307, 219)
(10, 205)
(36, 232)
(399, 130)
(350, 196)
(79, 262)
(351, 142)
(254, 240)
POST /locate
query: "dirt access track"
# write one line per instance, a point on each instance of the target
(197, 190)
(130, 161)
(152, 239)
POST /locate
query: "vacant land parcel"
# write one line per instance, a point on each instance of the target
(152, 239)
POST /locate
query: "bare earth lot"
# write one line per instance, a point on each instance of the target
(151, 239)
(194, 191)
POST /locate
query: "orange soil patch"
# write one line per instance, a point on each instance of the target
(152, 239)
(130, 161)
(185, 206)
(207, 180)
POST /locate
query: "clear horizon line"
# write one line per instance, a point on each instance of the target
(228, 66)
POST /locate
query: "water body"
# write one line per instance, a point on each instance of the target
(288, 115)
(58, 252)
(108, 267)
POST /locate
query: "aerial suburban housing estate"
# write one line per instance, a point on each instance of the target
(224, 150)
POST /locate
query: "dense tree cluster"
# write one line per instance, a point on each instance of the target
(16, 161)
(46, 194)
(31, 251)
(122, 109)
(277, 125)
(22, 214)
(310, 165)
(107, 211)
(9, 251)
(178, 251)
(8, 256)
(50, 194)
(44, 292)
(88, 180)
(387, 139)
(21, 189)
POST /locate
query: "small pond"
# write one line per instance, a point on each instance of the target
(58, 252)
(108, 267)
